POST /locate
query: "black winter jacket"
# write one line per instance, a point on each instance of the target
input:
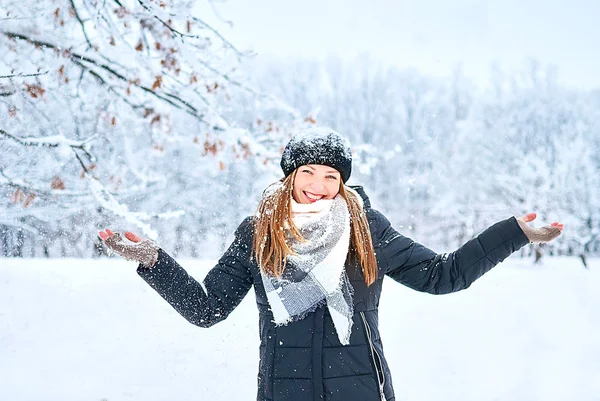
(304, 360)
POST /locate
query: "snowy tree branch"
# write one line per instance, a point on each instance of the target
(169, 27)
(169, 98)
(183, 35)
(87, 39)
(110, 87)
(22, 75)
(38, 191)
(158, 87)
(229, 44)
(50, 141)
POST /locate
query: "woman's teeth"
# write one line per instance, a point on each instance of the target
(313, 197)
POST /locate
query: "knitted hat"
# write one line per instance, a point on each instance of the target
(318, 146)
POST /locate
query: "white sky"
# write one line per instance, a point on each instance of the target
(431, 35)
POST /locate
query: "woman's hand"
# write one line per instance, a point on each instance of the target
(542, 234)
(137, 249)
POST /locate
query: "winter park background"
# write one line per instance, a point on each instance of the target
(164, 118)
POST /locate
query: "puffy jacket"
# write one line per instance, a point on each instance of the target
(304, 360)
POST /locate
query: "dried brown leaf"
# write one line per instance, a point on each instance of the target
(157, 82)
(35, 91)
(29, 200)
(121, 12)
(57, 183)
(17, 196)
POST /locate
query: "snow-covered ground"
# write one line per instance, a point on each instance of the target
(92, 330)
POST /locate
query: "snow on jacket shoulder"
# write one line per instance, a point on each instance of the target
(304, 360)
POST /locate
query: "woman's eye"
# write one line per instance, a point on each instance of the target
(332, 176)
(307, 171)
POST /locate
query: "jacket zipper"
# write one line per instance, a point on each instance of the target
(374, 354)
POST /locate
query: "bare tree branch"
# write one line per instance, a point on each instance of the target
(16, 18)
(168, 26)
(22, 75)
(111, 88)
(212, 5)
(213, 30)
(87, 39)
(83, 166)
(209, 27)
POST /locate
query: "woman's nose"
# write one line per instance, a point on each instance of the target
(317, 185)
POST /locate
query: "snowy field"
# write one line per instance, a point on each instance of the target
(92, 330)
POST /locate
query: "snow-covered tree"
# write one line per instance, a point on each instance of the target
(119, 109)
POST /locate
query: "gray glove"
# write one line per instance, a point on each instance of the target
(538, 235)
(143, 251)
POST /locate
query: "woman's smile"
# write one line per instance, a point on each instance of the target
(312, 197)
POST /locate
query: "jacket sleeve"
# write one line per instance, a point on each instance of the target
(422, 269)
(225, 285)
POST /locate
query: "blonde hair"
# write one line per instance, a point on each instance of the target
(269, 245)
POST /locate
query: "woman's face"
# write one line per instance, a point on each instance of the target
(314, 182)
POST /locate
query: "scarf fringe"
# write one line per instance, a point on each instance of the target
(303, 314)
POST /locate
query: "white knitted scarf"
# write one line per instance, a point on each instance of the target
(316, 274)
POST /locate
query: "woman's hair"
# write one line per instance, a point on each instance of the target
(270, 248)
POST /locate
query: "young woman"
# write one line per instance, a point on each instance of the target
(316, 254)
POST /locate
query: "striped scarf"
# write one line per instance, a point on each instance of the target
(316, 275)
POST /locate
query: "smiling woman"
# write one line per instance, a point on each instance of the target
(316, 254)
(315, 182)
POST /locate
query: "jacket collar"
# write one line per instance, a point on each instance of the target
(359, 189)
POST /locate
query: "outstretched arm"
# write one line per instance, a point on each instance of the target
(225, 285)
(422, 269)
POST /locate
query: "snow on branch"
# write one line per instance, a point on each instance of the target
(36, 190)
(164, 104)
(166, 25)
(140, 219)
(85, 34)
(167, 97)
(22, 75)
(53, 141)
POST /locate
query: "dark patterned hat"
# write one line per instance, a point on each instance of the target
(318, 146)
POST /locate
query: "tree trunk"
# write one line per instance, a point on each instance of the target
(19, 244)
(4, 240)
(538, 253)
